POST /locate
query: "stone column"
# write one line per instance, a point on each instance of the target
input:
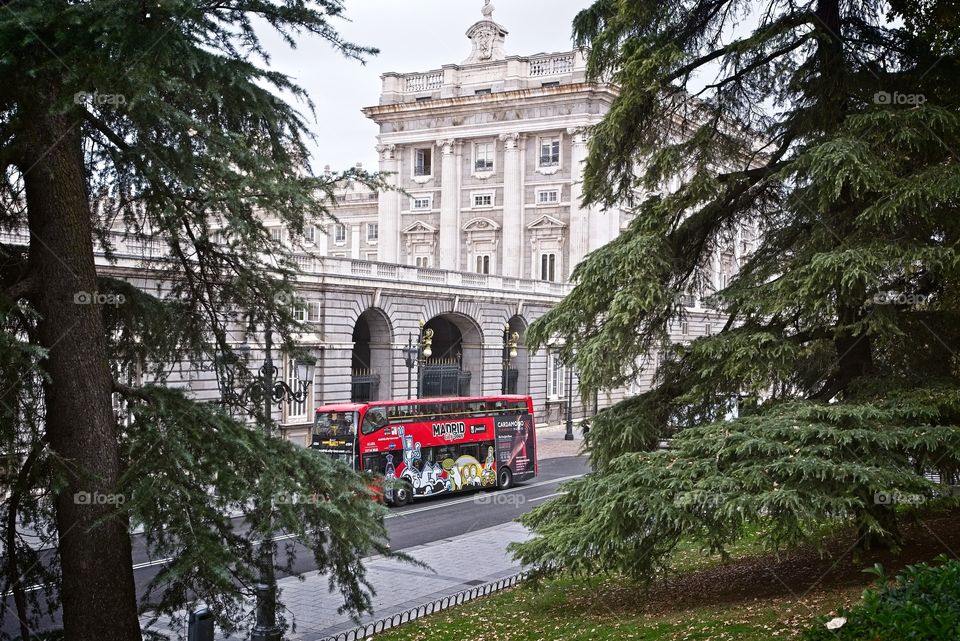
(579, 217)
(512, 207)
(449, 205)
(388, 250)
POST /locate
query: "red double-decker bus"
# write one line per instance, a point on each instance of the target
(433, 446)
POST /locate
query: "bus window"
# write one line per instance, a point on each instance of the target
(476, 407)
(520, 406)
(374, 419)
(499, 406)
(375, 463)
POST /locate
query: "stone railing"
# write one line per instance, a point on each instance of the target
(151, 250)
(552, 65)
(327, 266)
(424, 81)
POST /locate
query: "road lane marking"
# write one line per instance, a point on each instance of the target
(544, 498)
(468, 499)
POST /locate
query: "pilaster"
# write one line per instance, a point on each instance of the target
(512, 206)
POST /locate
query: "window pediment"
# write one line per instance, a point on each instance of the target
(420, 227)
(546, 223)
(480, 224)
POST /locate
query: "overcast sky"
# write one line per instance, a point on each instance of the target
(412, 35)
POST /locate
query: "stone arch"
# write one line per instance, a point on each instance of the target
(372, 359)
(518, 382)
(456, 364)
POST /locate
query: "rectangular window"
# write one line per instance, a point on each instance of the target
(481, 92)
(422, 162)
(483, 200)
(548, 196)
(339, 233)
(276, 234)
(422, 203)
(373, 232)
(483, 264)
(310, 234)
(548, 267)
(295, 411)
(483, 156)
(555, 83)
(556, 376)
(549, 152)
(300, 313)
(423, 261)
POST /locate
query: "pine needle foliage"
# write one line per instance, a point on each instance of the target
(164, 121)
(832, 130)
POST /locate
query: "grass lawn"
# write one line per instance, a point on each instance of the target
(756, 596)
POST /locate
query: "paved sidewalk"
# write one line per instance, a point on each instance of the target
(551, 444)
(457, 563)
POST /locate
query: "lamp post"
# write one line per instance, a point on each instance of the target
(416, 355)
(262, 393)
(509, 352)
(569, 435)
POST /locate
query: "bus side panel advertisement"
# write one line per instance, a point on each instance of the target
(515, 444)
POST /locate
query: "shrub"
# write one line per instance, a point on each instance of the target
(921, 604)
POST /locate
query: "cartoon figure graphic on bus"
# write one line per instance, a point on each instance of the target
(390, 472)
(489, 475)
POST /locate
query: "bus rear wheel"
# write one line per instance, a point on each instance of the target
(401, 494)
(504, 478)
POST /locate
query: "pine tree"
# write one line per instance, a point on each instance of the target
(163, 120)
(833, 129)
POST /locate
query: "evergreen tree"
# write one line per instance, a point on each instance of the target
(160, 119)
(832, 129)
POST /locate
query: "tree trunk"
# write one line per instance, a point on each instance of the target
(98, 594)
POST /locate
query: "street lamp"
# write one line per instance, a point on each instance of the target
(569, 435)
(509, 352)
(263, 392)
(416, 355)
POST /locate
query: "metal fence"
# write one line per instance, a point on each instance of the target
(376, 627)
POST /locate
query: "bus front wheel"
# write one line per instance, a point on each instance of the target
(504, 478)
(401, 494)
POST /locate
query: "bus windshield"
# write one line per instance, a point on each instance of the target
(341, 424)
(335, 434)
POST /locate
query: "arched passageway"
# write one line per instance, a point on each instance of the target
(516, 362)
(454, 367)
(372, 362)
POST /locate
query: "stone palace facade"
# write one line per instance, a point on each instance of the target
(477, 242)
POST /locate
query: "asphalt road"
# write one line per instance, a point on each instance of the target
(423, 521)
